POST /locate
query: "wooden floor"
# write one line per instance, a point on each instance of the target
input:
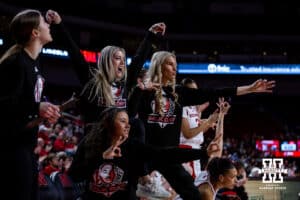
(288, 190)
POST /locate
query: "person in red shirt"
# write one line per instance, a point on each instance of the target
(51, 164)
(59, 143)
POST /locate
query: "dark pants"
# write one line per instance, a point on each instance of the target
(180, 180)
(136, 168)
(21, 174)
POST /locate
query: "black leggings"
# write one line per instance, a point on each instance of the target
(21, 174)
(137, 168)
(180, 180)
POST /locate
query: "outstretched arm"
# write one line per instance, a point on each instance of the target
(259, 86)
(191, 96)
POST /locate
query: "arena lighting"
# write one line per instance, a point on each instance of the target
(55, 52)
(200, 68)
(90, 56)
(279, 149)
(228, 68)
(128, 60)
(1, 41)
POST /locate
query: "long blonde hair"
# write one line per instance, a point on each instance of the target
(21, 27)
(155, 74)
(104, 76)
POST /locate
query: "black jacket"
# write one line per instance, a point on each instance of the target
(110, 179)
(164, 130)
(92, 109)
(19, 100)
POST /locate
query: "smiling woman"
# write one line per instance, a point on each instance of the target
(109, 83)
(109, 159)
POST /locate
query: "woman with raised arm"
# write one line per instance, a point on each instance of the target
(193, 128)
(109, 83)
(104, 155)
(21, 86)
(161, 111)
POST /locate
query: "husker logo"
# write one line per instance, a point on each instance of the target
(272, 170)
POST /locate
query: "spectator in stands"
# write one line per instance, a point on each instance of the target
(59, 143)
(161, 112)
(40, 148)
(51, 164)
(40, 151)
(44, 132)
(62, 157)
(109, 139)
(22, 109)
(71, 145)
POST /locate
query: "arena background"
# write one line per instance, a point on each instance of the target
(242, 32)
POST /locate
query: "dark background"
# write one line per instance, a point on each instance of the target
(201, 27)
(250, 31)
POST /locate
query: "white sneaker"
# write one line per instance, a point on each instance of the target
(201, 178)
(152, 191)
(178, 197)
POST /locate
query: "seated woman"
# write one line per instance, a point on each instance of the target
(108, 159)
(239, 191)
(221, 174)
